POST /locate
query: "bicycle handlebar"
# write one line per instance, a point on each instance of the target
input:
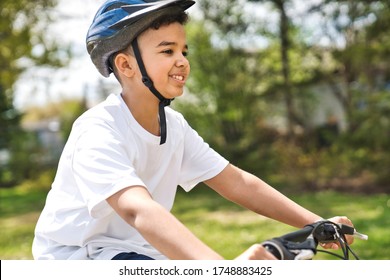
(302, 244)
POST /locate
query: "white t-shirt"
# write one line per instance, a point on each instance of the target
(107, 151)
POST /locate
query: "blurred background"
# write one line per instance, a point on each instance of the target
(296, 92)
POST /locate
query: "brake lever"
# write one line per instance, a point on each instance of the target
(328, 232)
(352, 231)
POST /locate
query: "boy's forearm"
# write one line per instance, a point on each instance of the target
(256, 195)
(158, 226)
(273, 204)
(168, 235)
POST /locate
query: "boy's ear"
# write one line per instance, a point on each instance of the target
(124, 64)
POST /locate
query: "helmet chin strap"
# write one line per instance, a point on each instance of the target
(149, 84)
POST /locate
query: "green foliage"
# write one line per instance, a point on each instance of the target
(339, 166)
(22, 25)
(223, 98)
(24, 163)
(30, 154)
(24, 44)
(238, 94)
(25, 151)
(66, 111)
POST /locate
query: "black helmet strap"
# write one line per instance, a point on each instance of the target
(149, 84)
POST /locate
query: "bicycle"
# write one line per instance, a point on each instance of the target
(302, 244)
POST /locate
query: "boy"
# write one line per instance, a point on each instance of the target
(118, 174)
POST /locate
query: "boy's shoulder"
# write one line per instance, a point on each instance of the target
(175, 117)
(109, 106)
(108, 111)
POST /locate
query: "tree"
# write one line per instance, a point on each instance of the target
(22, 33)
(285, 26)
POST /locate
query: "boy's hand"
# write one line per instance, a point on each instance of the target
(256, 252)
(349, 238)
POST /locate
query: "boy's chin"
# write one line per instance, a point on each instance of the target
(174, 94)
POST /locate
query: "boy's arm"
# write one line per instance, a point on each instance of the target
(163, 231)
(251, 192)
(158, 226)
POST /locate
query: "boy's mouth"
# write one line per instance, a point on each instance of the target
(178, 77)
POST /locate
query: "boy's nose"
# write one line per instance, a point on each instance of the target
(182, 62)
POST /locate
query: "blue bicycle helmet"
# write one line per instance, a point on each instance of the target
(116, 25)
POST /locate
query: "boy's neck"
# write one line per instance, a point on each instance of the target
(144, 110)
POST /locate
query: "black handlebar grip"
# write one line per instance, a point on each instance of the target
(276, 248)
(273, 249)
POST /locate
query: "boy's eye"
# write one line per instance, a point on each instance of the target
(185, 53)
(168, 51)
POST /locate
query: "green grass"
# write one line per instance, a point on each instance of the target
(222, 225)
(19, 211)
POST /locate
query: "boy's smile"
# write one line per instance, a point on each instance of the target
(164, 54)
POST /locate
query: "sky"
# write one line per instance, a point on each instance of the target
(39, 86)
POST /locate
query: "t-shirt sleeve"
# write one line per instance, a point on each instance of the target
(200, 162)
(101, 167)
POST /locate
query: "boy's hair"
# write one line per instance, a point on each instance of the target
(179, 17)
(163, 20)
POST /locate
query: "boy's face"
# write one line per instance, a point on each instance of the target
(164, 54)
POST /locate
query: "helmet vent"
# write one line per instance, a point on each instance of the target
(114, 6)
